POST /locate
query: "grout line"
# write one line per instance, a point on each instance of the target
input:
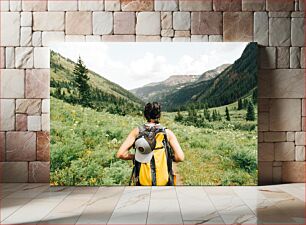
(116, 205)
(149, 205)
(177, 198)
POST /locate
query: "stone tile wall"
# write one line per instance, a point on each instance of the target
(28, 27)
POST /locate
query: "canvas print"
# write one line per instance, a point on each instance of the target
(153, 114)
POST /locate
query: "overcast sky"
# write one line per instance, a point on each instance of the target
(133, 65)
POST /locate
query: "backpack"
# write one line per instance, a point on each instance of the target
(157, 172)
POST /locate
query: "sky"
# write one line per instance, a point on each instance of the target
(133, 65)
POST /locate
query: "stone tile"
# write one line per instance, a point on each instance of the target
(14, 172)
(253, 5)
(78, 23)
(284, 151)
(5, 5)
(12, 83)
(263, 105)
(181, 39)
(263, 121)
(2, 57)
(45, 122)
(267, 57)
(2, 146)
(10, 28)
(25, 36)
(181, 21)
(28, 106)
(75, 38)
(49, 21)
(261, 29)
(58, 5)
(279, 32)
(304, 107)
(41, 57)
(20, 146)
(21, 122)
(26, 19)
(166, 20)
(169, 5)
(301, 5)
(7, 114)
(49, 38)
(215, 38)
(43, 146)
(142, 26)
(293, 172)
(102, 23)
(91, 5)
(34, 123)
(227, 5)
(143, 38)
(33, 5)
(281, 83)
(238, 26)
(290, 136)
(137, 5)
(119, 38)
(46, 106)
(206, 23)
(203, 5)
(283, 57)
(264, 173)
(275, 136)
(124, 22)
(285, 115)
(265, 152)
(112, 5)
(260, 137)
(295, 57)
(303, 58)
(92, 38)
(37, 83)
(300, 138)
(276, 5)
(10, 57)
(39, 172)
(279, 14)
(167, 33)
(297, 32)
(24, 57)
(300, 153)
(199, 38)
(166, 39)
(182, 33)
(298, 14)
(36, 39)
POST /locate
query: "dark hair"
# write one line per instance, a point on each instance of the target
(152, 111)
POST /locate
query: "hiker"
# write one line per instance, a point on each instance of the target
(155, 149)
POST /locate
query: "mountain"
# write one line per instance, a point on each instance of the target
(234, 82)
(210, 74)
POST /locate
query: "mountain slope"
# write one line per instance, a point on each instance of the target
(210, 74)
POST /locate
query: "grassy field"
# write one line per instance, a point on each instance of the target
(84, 143)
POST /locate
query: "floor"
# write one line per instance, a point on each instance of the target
(41, 204)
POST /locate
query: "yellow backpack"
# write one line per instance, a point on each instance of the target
(157, 172)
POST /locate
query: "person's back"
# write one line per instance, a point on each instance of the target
(155, 149)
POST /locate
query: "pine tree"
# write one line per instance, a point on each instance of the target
(81, 81)
(240, 104)
(250, 116)
(179, 117)
(254, 96)
(214, 115)
(207, 114)
(228, 118)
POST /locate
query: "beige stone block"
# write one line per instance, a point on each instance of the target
(14, 172)
(45, 120)
(298, 14)
(303, 58)
(34, 5)
(283, 57)
(181, 21)
(166, 39)
(300, 153)
(285, 115)
(267, 57)
(49, 21)
(303, 107)
(39, 172)
(238, 26)
(265, 152)
(215, 38)
(284, 151)
(4, 5)
(41, 57)
(12, 83)
(21, 122)
(58, 5)
(75, 38)
(182, 33)
(169, 5)
(227, 5)
(181, 39)
(91, 5)
(92, 38)
(2, 146)
(276, 5)
(279, 14)
(166, 20)
(203, 5)
(36, 39)
(300, 138)
(199, 38)
(277, 174)
(10, 57)
(293, 172)
(78, 23)
(263, 121)
(102, 23)
(43, 146)
(46, 106)
(206, 23)
(253, 5)
(264, 173)
(281, 83)
(302, 5)
(124, 22)
(295, 57)
(2, 57)
(7, 114)
(26, 19)
(112, 5)
(167, 33)
(119, 38)
(260, 136)
(275, 136)
(24, 57)
(297, 32)
(261, 28)
(29, 106)
(290, 136)
(49, 38)
(37, 83)
(34, 123)
(20, 146)
(263, 105)
(147, 38)
(137, 5)
(25, 36)
(10, 28)
(279, 32)
(145, 28)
